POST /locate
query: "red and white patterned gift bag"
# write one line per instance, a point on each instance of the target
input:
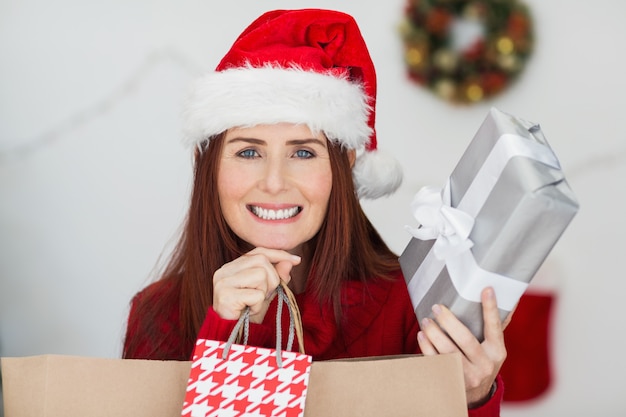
(248, 383)
(246, 380)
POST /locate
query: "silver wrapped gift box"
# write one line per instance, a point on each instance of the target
(499, 215)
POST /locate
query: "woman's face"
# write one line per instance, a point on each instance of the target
(274, 183)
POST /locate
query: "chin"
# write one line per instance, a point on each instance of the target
(278, 244)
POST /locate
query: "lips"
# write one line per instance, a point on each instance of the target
(270, 214)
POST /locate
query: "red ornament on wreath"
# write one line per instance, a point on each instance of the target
(466, 51)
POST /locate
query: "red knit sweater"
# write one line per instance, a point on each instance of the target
(377, 320)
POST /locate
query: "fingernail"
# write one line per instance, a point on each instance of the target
(490, 292)
(425, 322)
(420, 336)
(436, 310)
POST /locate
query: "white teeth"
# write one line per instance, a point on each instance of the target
(268, 214)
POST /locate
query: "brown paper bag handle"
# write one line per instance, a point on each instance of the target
(240, 332)
(295, 320)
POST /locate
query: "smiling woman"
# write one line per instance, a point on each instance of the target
(285, 145)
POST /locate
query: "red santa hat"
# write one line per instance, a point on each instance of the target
(298, 66)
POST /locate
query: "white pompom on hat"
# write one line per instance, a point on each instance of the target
(307, 66)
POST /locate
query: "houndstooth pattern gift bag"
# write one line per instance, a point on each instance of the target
(228, 379)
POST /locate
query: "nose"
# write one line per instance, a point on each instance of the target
(274, 176)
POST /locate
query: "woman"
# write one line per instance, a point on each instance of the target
(285, 146)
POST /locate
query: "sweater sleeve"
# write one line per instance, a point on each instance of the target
(492, 407)
(216, 328)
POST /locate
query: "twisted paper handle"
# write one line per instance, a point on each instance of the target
(241, 330)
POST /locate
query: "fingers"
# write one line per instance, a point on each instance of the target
(275, 255)
(487, 362)
(250, 280)
(481, 361)
(426, 346)
(283, 269)
(272, 265)
(446, 333)
(433, 338)
(491, 316)
(493, 344)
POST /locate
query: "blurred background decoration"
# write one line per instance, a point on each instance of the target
(466, 51)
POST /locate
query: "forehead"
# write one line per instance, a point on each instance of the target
(278, 131)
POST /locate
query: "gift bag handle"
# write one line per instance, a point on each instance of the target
(241, 330)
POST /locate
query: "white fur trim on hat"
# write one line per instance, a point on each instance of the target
(248, 96)
(376, 174)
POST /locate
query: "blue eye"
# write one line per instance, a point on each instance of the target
(303, 153)
(248, 153)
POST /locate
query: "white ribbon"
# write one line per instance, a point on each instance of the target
(451, 228)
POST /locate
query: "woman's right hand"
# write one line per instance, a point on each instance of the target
(250, 280)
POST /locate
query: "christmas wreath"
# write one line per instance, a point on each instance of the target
(466, 51)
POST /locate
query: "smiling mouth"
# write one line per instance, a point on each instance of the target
(269, 214)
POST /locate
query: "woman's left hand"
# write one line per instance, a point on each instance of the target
(481, 361)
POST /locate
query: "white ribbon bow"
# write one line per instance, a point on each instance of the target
(439, 220)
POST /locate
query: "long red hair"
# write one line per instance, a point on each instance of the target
(347, 247)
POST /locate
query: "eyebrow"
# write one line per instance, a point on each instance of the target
(289, 142)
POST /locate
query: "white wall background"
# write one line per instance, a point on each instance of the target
(94, 182)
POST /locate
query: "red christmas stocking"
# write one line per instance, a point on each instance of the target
(527, 371)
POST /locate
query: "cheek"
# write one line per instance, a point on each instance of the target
(230, 192)
(230, 186)
(319, 187)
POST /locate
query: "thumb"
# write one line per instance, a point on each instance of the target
(283, 268)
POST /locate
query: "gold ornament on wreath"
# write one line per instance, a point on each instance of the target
(466, 51)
